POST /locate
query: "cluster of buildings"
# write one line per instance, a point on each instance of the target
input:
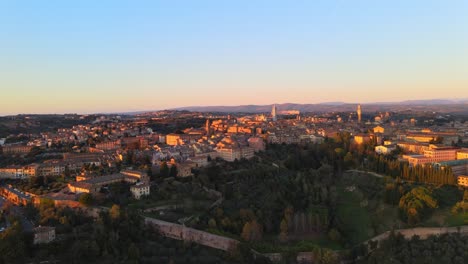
(70, 162)
(93, 184)
(19, 172)
(15, 196)
(105, 141)
(16, 149)
(436, 153)
(229, 139)
(433, 147)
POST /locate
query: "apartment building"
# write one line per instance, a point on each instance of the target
(140, 189)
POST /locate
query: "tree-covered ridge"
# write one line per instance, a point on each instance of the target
(289, 199)
(444, 249)
(264, 197)
(303, 192)
(398, 169)
(116, 236)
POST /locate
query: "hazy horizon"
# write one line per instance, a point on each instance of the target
(123, 56)
(452, 101)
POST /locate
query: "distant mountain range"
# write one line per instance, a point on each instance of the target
(430, 102)
(436, 105)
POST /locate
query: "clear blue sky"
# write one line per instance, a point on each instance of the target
(102, 56)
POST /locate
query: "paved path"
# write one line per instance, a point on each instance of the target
(368, 172)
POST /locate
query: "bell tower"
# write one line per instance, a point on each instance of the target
(208, 127)
(359, 113)
(273, 113)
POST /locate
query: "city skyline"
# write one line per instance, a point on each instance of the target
(117, 56)
(208, 131)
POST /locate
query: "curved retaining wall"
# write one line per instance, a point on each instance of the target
(184, 233)
(422, 232)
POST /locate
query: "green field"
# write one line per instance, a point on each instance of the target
(457, 220)
(361, 211)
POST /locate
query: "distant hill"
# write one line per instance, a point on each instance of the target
(430, 102)
(436, 105)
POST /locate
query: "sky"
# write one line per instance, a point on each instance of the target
(92, 56)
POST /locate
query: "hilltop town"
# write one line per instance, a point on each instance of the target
(199, 169)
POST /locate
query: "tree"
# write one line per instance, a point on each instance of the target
(212, 223)
(164, 170)
(416, 204)
(283, 230)
(12, 244)
(114, 212)
(334, 235)
(288, 214)
(173, 171)
(86, 199)
(246, 230)
(252, 231)
(133, 253)
(328, 257)
(348, 159)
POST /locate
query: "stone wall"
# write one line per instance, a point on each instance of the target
(37, 200)
(181, 232)
(67, 203)
(273, 257)
(422, 232)
(184, 233)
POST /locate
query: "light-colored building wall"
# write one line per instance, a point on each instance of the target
(434, 154)
(462, 154)
(361, 139)
(140, 190)
(11, 173)
(379, 129)
(176, 139)
(184, 169)
(463, 181)
(229, 154)
(43, 234)
(418, 148)
(110, 145)
(16, 149)
(385, 149)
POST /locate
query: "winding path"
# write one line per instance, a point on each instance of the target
(368, 172)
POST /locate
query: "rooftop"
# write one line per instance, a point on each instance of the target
(140, 185)
(43, 229)
(17, 192)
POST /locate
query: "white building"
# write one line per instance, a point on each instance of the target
(140, 189)
(385, 150)
(43, 234)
